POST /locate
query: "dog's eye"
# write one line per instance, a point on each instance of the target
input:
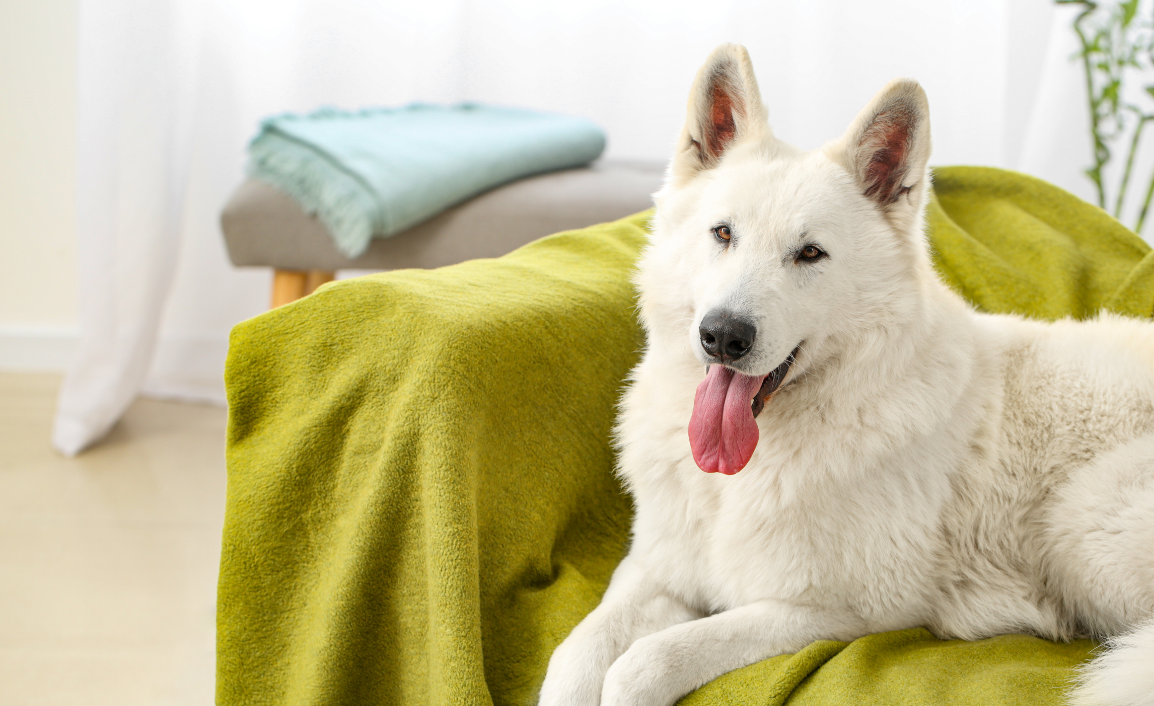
(810, 253)
(722, 233)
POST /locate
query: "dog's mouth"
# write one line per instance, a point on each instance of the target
(771, 382)
(722, 429)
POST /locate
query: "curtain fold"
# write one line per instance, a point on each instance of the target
(137, 65)
(171, 90)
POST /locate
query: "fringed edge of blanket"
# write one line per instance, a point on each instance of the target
(343, 203)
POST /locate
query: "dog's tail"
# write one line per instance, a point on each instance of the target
(1123, 675)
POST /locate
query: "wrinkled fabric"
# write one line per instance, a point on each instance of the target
(421, 498)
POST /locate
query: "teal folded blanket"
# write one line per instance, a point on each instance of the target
(378, 172)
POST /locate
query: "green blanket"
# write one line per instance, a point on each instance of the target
(421, 502)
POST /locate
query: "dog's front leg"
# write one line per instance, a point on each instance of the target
(661, 668)
(631, 608)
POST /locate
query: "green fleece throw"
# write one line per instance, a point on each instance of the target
(421, 499)
(380, 171)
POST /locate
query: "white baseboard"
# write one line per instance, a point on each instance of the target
(27, 348)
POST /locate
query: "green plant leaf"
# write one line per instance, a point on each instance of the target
(1116, 39)
(1129, 9)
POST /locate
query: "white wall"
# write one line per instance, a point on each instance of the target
(37, 183)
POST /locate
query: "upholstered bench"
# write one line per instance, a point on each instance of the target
(263, 227)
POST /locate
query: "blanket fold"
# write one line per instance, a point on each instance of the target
(421, 498)
(378, 172)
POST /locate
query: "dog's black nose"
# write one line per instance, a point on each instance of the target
(725, 336)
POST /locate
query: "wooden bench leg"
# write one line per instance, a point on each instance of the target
(290, 285)
(287, 286)
(316, 278)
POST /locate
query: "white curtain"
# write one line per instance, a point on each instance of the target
(171, 90)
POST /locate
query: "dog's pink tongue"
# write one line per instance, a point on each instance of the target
(722, 432)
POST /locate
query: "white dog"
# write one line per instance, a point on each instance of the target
(904, 461)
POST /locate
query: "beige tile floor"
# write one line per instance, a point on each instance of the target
(108, 562)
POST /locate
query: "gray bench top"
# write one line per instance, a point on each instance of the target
(265, 227)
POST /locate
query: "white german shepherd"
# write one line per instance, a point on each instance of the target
(904, 461)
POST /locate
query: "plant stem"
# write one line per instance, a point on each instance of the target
(1096, 174)
(1142, 120)
(1145, 206)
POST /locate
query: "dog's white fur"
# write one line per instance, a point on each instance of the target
(922, 464)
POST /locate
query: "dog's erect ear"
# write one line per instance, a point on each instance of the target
(886, 150)
(724, 107)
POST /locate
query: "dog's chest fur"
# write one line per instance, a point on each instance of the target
(901, 521)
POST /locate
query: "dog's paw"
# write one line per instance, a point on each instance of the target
(640, 677)
(568, 690)
(570, 679)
